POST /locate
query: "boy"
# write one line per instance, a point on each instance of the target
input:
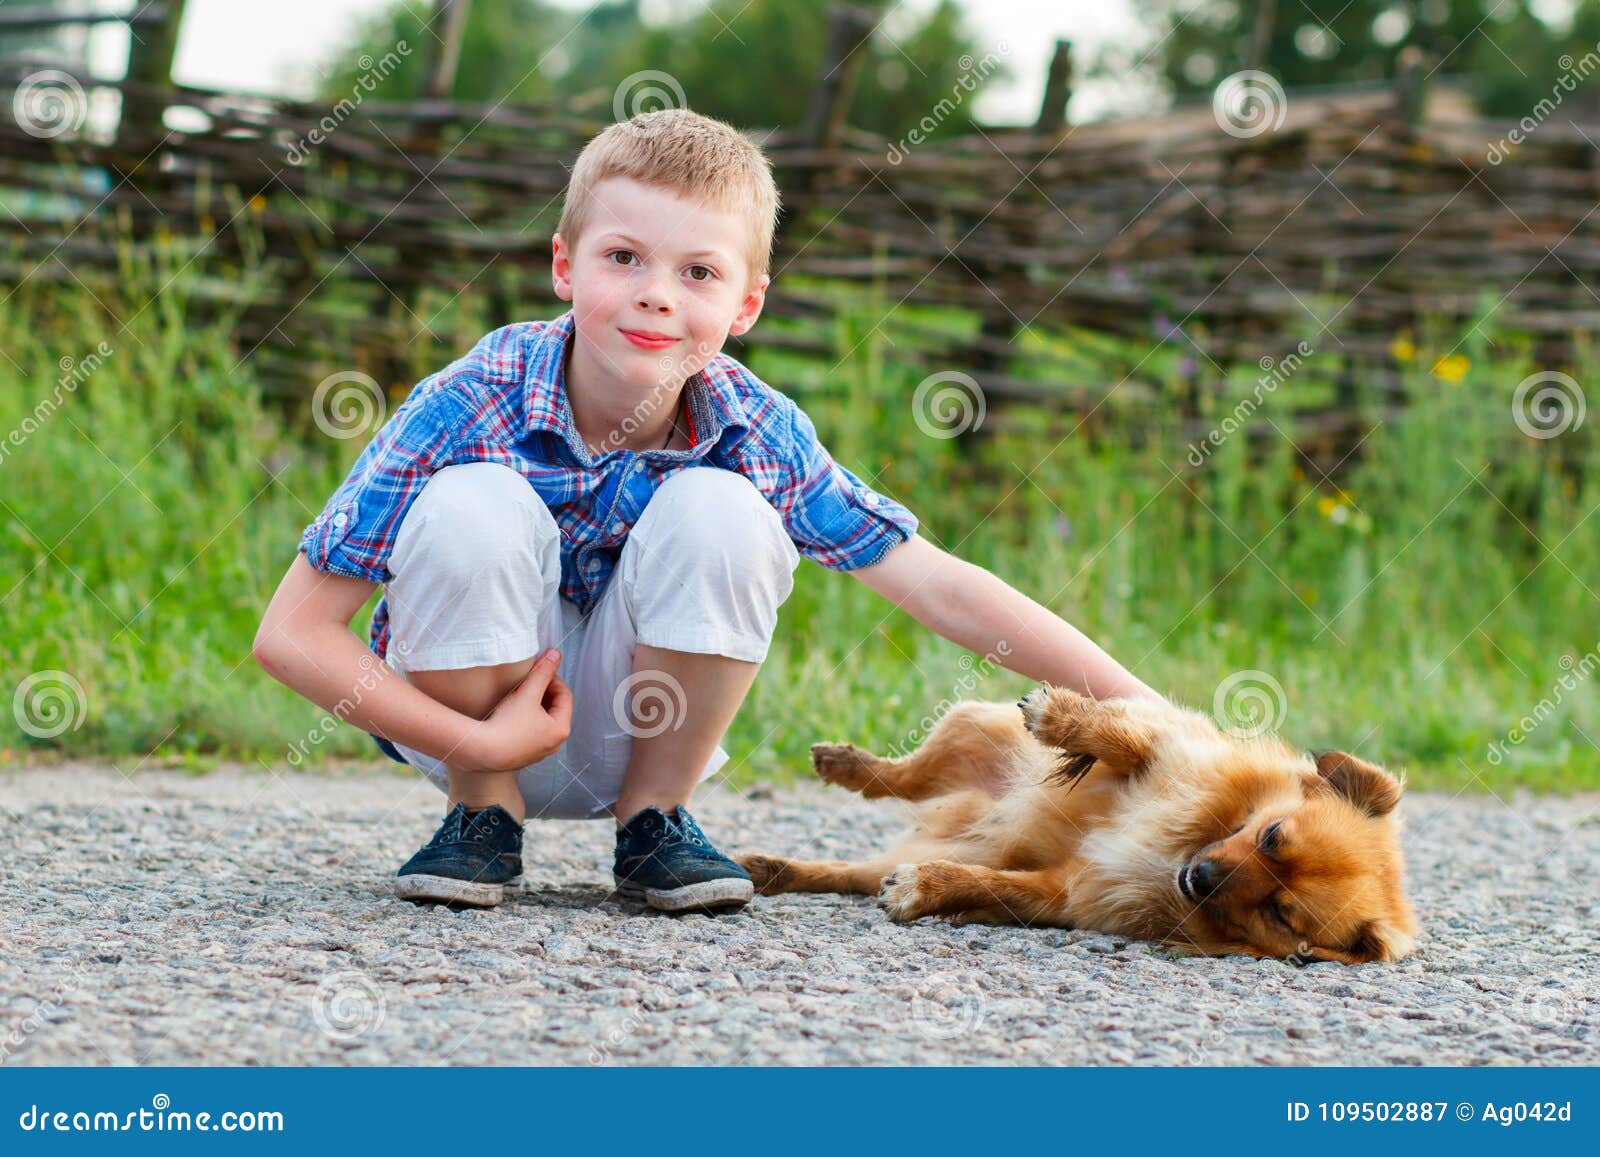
(585, 528)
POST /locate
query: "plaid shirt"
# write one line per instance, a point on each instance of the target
(506, 401)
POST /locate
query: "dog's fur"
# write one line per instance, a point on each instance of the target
(1132, 817)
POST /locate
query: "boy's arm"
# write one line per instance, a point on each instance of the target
(305, 643)
(968, 605)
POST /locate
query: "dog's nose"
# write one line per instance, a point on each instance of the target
(1205, 877)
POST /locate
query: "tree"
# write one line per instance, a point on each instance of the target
(752, 63)
(1506, 52)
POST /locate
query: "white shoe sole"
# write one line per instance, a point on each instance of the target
(446, 890)
(729, 893)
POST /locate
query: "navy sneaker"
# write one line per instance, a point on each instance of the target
(666, 861)
(469, 860)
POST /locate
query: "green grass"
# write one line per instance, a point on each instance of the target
(145, 523)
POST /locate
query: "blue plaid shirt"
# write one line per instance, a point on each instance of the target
(506, 401)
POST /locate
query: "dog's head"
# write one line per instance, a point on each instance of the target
(1314, 873)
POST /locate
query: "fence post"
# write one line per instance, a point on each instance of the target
(1261, 34)
(1057, 91)
(1410, 85)
(848, 29)
(998, 332)
(442, 49)
(150, 56)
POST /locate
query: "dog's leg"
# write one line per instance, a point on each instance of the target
(774, 874)
(945, 888)
(970, 747)
(1112, 731)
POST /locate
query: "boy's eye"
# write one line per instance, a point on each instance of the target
(696, 271)
(618, 255)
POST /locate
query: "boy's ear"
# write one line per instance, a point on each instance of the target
(560, 267)
(750, 308)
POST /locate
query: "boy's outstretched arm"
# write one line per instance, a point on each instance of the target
(968, 605)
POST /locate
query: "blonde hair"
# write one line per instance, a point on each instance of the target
(692, 155)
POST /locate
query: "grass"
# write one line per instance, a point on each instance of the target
(1415, 610)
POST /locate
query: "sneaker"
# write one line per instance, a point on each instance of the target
(666, 861)
(469, 860)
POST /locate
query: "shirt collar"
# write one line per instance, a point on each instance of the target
(712, 396)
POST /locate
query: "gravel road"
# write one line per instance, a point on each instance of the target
(245, 918)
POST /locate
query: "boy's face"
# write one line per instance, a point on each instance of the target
(650, 262)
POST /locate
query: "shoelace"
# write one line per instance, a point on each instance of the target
(683, 829)
(455, 831)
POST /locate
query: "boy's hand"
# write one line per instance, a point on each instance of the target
(528, 724)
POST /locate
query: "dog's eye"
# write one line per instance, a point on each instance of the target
(1271, 837)
(1275, 910)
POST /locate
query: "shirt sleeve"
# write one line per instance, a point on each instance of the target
(355, 533)
(831, 515)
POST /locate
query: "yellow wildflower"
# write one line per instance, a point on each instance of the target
(1403, 348)
(1452, 368)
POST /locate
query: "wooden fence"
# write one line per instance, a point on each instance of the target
(1342, 224)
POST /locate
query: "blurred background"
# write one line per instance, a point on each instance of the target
(1253, 339)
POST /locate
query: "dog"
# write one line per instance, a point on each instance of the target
(1132, 817)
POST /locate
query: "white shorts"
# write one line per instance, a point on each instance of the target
(477, 575)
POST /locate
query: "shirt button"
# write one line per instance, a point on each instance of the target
(594, 563)
(617, 528)
(340, 519)
(872, 500)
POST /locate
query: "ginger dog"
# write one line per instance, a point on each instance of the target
(1130, 817)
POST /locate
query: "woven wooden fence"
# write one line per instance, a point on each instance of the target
(1343, 225)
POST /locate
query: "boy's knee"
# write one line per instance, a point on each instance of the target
(470, 517)
(710, 516)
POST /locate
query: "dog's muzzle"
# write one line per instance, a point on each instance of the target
(1198, 880)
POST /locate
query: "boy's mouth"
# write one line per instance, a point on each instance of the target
(648, 339)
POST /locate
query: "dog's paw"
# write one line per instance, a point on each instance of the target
(901, 895)
(1033, 706)
(768, 873)
(843, 764)
(1059, 716)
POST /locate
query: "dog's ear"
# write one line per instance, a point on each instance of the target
(1374, 940)
(1369, 787)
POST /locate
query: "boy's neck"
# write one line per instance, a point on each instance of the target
(608, 418)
